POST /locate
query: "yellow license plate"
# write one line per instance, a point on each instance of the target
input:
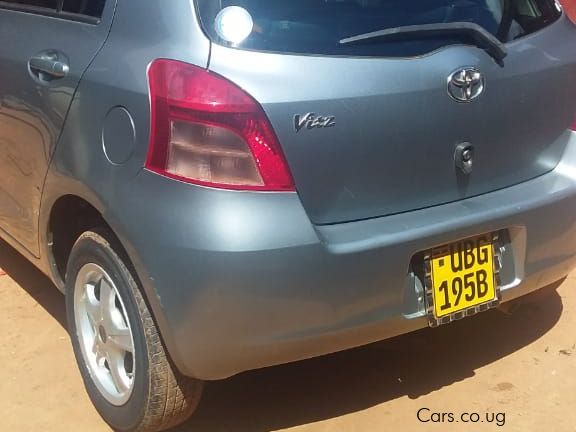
(462, 275)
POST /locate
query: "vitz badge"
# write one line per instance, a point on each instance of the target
(313, 121)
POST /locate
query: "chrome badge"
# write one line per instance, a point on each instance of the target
(313, 121)
(466, 84)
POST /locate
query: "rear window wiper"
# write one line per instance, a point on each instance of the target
(473, 32)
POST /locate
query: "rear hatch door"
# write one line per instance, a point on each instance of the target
(375, 128)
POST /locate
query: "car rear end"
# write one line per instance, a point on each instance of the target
(301, 195)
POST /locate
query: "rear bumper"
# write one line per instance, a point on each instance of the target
(240, 281)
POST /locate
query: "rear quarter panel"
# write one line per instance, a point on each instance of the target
(142, 31)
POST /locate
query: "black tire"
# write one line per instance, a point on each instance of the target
(161, 397)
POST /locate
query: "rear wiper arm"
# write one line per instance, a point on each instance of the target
(475, 33)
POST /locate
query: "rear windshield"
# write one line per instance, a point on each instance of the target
(317, 26)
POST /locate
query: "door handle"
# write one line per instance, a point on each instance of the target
(49, 66)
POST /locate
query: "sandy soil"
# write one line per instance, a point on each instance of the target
(521, 365)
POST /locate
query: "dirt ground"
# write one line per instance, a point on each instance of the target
(518, 370)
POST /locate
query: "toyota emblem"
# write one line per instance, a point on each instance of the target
(466, 84)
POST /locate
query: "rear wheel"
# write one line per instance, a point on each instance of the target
(126, 370)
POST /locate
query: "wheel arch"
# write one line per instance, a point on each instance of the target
(93, 211)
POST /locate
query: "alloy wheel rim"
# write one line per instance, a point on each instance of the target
(104, 334)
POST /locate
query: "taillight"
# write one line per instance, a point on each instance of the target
(570, 9)
(206, 130)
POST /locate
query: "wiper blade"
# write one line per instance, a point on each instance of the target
(475, 33)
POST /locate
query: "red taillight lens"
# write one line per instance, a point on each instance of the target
(208, 131)
(570, 8)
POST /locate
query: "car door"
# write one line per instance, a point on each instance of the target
(46, 47)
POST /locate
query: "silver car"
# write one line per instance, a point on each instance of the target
(220, 186)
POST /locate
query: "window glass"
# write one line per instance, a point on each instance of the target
(91, 8)
(48, 4)
(317, 26)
